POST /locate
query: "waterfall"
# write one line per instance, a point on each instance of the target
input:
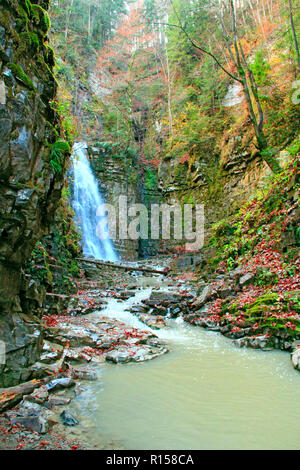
(86, 200)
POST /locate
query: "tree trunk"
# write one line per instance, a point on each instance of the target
(9, 397)
(294, 35)
(68, 14)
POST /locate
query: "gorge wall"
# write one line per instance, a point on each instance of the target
(30, 182)
(118, 176)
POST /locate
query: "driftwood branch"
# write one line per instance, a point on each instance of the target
(126, 267)
(9, 397)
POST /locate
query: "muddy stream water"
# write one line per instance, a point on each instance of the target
(204, 394)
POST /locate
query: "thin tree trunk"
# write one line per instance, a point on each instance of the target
(68, 14)
(294, 34)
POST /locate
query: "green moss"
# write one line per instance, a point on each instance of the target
(22, 19)
(42, 18)
(269, 298)
(27, 7)
(31, 39)
(256, 310)
(224, 227)
(58, 150)
(49, 55)
(19, 73)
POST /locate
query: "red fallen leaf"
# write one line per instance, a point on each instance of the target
(43, 443)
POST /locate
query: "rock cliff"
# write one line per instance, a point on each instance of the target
(33, 157)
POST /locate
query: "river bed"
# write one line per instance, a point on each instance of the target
(204, 394)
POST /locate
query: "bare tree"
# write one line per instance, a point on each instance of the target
(244, 76)
(68, 14)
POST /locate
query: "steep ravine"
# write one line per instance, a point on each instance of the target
(71, 328)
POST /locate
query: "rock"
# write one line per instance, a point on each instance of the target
(106, 342)
(175, 312)
(246, 279)
(225, 329)
(35, 423)
(57, 384)
(236, 273)
(139, 309)
(28, 408)
(225, 291)
(51, 352)
(154, 342)
(83, 374)
(39, 395)
(204, 296)
(126, 294)
(295, 357)
(155, 322)
(68, 419)
(134, 354)
(119, 356)
(76, 338)
(51, 417)
(32, 416)
(2, 93)
(256, 342)
(164, 296)
(58, 401)
(40, 370)
(237, 334)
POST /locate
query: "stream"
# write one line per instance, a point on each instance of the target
(204, 394)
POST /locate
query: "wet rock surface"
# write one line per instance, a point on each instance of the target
(74, 345)
(82, 338)
(30, 189)
(101, 339)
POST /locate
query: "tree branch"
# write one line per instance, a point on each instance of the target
(202, 50)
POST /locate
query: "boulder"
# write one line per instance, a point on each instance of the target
(204, 296)
(246, 279)
(295, 357)
(39, 395)
(58, 401)
(256, 342)
(68, 419)
(135, 354)
(58, 384)
(83, 374)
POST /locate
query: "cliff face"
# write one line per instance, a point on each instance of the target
(118, 177)
(30, 181)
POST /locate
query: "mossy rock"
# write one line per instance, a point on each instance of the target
(20, 75)
(41, 18)
(58, 150)
(256, 310)
(32, 40)
(27, 6)
(224, 227)
(49, 56)
(267, 299)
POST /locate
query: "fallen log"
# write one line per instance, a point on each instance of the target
(126, 267)
(9, 397)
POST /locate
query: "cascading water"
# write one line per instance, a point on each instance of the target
(86, 200)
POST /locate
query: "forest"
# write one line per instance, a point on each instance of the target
(149, 226)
